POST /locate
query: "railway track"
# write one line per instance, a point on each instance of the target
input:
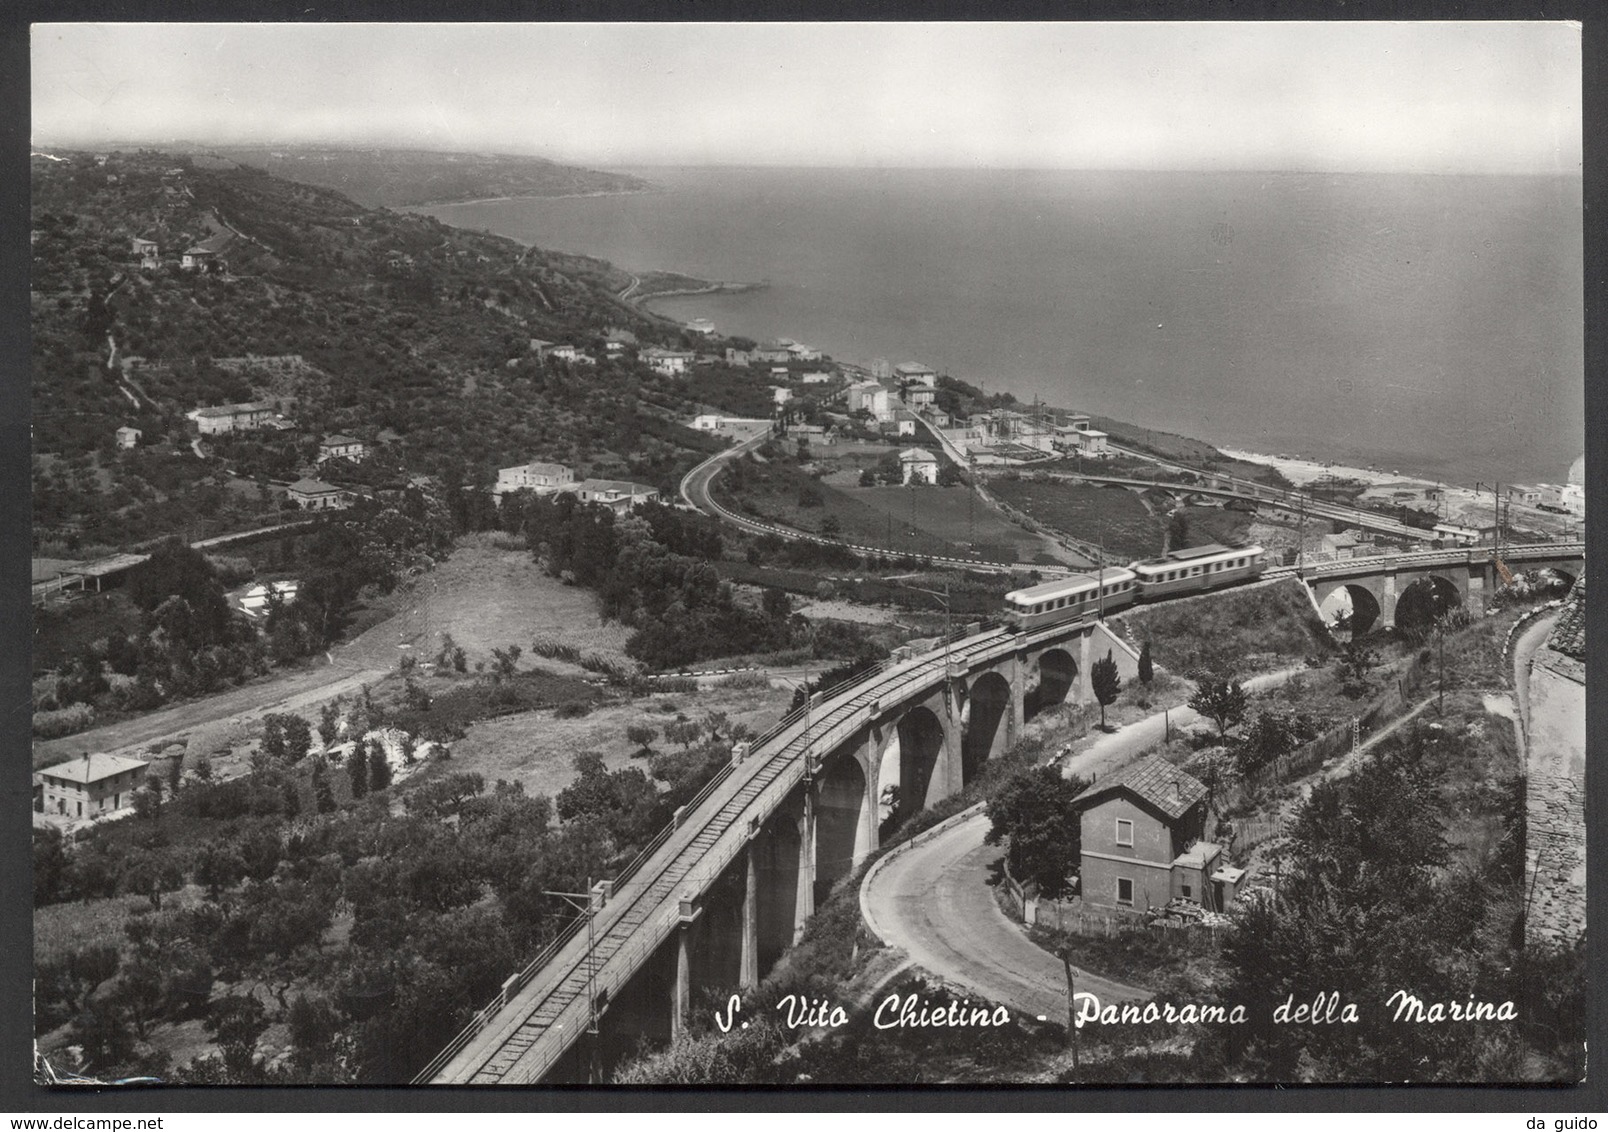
(520, 1035)
(695, 490)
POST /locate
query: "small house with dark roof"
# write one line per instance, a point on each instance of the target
(315, 495)
(1144, 845)
(198, 259)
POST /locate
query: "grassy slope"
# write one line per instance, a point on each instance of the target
(1239, 632)
(1115, 516)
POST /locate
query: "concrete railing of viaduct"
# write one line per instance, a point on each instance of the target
(727, 888)
(1375, 586)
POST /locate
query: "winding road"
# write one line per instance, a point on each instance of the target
(933, 898)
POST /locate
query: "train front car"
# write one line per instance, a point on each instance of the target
(1074, 598)
(1198, 569)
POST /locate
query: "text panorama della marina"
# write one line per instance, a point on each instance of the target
(1326, 1007)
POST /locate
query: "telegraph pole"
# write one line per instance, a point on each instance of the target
(586, 904)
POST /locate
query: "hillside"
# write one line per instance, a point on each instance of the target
(398, 329)
(398, 177)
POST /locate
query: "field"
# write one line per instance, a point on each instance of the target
(1113, 516)
(537, 749)
(486, 598)
(1235, 633)
(953, 514)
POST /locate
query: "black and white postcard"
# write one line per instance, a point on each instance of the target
(808, 554)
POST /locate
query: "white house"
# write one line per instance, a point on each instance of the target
(315, 495)
(917, 373)
(216, 419)
(905, 422)
(701, 326)
(671, 363)
(198, 259)
(816, 377)
(563, 352)
(870, 396)
(619, 495)
(128, 437)
(780, 394)
(919, 396)
(918, 464)
(543, 479)
(90, 786)
(339, 446)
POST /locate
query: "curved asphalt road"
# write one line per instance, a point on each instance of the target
(933, 901)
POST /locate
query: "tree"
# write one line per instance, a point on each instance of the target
(1221, 701)
(357, 768)
(1035, 814)
(1177, 530)
(506, 660)
(237, 1021)
(1107, 684)
(273, 736)
(830, 527)
(329, 723)
(379, 767)
(775, 604)
(1354, 667)
(298, 739)
(641, 737)
(683, 731)
(323, 796)
(1147, 671)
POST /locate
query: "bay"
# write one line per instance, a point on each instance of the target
(1432, 324)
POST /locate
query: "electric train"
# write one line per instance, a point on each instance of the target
(1180, 572)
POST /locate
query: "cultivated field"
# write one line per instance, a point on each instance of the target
(1112, 516)
(953, 514)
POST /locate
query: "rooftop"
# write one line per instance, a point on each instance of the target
(917, 454)
(93, 768)
(305, 486)
(624, 487)
(340, 438)
(1153, 780)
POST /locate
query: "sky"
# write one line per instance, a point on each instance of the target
(1488, 97)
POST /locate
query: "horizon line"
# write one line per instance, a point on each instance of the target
(117, 144)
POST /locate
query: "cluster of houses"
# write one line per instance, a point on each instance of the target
(620, 496)
(197, 258)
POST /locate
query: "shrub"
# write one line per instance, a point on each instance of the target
(573, 709)
(64, 721)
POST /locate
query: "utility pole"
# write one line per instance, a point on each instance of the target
(1071, 1011)
(586, 904)
(1440, 631)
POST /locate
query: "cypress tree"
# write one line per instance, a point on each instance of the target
(379, 768)
(1146, 671)
(357, 767)
(322, 794)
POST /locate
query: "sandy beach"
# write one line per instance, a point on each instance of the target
(1455, 503)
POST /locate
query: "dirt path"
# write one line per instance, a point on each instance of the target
(1101, 753)
(219, 714)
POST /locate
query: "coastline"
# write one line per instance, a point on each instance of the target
(530, 196)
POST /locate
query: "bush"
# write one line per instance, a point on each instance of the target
(574, 709)
(64, 721)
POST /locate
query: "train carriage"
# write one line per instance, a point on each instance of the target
(1073, 598)
(1198, 569)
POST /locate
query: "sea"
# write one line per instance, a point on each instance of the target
(1431, 325)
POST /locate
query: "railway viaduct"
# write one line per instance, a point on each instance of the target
(724, 891)
(1374, 587)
